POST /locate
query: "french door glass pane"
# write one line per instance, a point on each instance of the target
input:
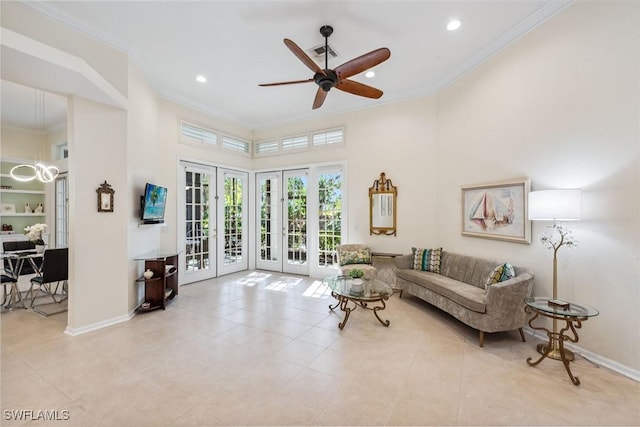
(62, 213)
(297, 219)
(233, 196)
(329, 217)
(197, 221)
(269, 219)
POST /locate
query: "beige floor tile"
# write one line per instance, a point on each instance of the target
(259, 348)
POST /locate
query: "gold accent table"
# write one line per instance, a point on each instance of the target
(345, 291)
(573, 316)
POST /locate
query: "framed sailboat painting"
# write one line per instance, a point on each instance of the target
(497, 211)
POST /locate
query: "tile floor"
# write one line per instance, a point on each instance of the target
(259, 348)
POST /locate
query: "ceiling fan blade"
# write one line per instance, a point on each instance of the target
(302, 56)
(361, 63)
(293, 82)
(358, 88)
(320, 97)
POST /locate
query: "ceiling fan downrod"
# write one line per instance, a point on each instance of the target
(326, 31)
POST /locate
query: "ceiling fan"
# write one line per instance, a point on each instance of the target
(338, 78)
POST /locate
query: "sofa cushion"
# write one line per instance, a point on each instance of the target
(500, 274)
(467, 269)
(358, 256)
(427, 259)
(470, 297)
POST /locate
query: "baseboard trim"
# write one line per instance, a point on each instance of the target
(595, 358)
(98, 325)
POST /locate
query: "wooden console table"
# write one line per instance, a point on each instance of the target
(162, 287)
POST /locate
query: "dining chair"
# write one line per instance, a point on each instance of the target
(14, 296)
(55, 270)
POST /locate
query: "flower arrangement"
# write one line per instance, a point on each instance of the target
(356, 273)
(566, 238)
(34, 233)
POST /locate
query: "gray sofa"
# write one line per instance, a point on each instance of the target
(459, 289)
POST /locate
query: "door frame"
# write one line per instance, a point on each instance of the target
(222, 268)
(314, 171)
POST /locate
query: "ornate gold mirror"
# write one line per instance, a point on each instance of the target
(382, 206)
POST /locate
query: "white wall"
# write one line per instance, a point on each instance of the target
(561, 107)
(111, 63)
(398, 139)
(98, 256)
(27, 144)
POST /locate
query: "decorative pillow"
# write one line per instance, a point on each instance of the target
(360, 256)
(500, 274)
(427, 259)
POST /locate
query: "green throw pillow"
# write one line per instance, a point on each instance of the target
(500, 274)
(362, 256)
(427, 259)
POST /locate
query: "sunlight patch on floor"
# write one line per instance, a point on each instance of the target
(254, 278)
(284, 283)
(317, 289)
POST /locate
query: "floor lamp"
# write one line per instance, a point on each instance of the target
(556, 205)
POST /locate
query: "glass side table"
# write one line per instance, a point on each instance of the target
(572, 314)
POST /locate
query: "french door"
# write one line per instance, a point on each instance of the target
(62, 211)
(299, 220)
(232, 221)
(295, 248)
(213, 237)
(269, 221)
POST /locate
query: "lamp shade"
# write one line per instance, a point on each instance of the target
(555, 205)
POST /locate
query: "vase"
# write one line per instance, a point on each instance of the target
(148, 274)
(40, 249)
(357, 281)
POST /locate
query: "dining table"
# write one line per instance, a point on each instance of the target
(14, 263)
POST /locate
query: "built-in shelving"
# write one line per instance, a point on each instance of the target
(14, 195)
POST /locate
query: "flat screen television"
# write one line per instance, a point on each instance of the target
(153, 204)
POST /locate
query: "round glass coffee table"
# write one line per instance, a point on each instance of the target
(572, 314)
(350, 291)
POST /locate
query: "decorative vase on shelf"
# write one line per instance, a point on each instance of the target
(27, 208)
(148, 274)
(39, 209)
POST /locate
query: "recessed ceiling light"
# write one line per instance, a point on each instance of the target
(202, 79)
(453, 25)
(370, 74)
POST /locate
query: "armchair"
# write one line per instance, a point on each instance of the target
(355, 256)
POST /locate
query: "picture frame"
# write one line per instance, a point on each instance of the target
(105, 197)
(7, 208)
(497, 210)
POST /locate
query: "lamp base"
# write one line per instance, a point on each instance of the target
(555, 353)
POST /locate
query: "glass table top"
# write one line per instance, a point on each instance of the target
(574, 310)
(369, 290)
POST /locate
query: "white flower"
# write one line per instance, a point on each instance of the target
(34, 233)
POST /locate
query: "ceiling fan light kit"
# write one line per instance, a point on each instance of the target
(339, 77)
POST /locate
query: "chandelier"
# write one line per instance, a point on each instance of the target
(38, 171)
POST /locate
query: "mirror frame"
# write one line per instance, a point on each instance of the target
(382, 185)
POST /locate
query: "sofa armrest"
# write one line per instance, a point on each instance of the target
(404, 262)
(505, 301)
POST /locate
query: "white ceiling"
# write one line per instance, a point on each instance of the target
(238, 44)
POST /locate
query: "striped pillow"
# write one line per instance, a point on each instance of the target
(500, 274)
(427, 259)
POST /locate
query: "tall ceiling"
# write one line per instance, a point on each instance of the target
(238, 44)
